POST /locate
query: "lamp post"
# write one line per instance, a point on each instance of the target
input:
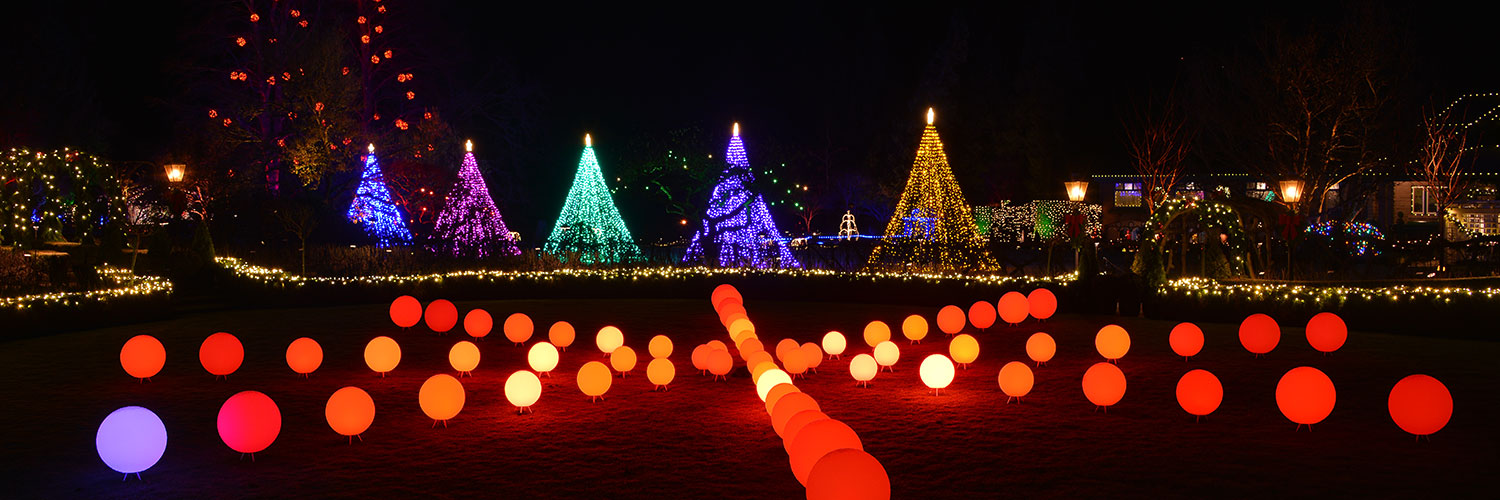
(1076, 190)
(176, 198)
(1291, 194)
(175, 172)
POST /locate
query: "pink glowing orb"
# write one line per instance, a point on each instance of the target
(249, 422)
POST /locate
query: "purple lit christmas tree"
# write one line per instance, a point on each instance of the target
(373, 209)
(470, 225)
(737, 228)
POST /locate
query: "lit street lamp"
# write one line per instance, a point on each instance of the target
(1076, 190)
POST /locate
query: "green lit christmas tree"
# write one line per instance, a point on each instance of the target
(590, 230)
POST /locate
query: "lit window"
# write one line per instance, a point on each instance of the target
(1127, 194)
(1423, 201)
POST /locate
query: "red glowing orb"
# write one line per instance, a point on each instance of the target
(143, 356)
(518, 328)
(982, 315)
(1104, 384)
(1199, 392)
(478, 323)
(1013, 307)
(349, 411)
(848, 474)
(249, 422)
(950, 319)
(1326, 332)
(441, 315)
(406, 311)
(1042, 303)
(304, 356)
(789, 406)
(221, 354)
(1420, 404)
(1305, 395)
(816, 440)
(1186, 339)
(1259, 333)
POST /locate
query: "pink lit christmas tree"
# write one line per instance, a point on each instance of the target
(470, 225)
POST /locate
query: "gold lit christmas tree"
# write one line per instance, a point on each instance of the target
(933, 227)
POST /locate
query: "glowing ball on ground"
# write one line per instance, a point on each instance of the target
(784, 346)
(1104, 384)
(834, 343)
(964, 349)
(795, 362)
(131, 439)
(813, 354)
(350, 411)
(982, 315)
(1305, 395)
(609, 339)
(788, 406)
(249, 422)
(1016, 380)
(846, 474)
(877, 332)
(622, 359)
(382, 354)
(770, 379)
(659, 347)
(816, 440)
(1199, 392)
(936, 371)
(594, 379)
(441, 315)
(1041, 303)
(914, 328)
(561, 334)
(751, 346)
(221, 354)
(406, 311)
(722, 291)
(863, 368)
(740, 327)
(478, 323)
(756, 357)
(522, 389)
(1112, 342)
(719, 362)
(1186, 339)
(464, 356)
(518, 328)
(951, 320)
(796, 423)
(886, 355)
(730, 319)
(542, 357)
(1040, 348)
(700, 358)
(1259, 334)
(776, 393)
(726, 302)
(1326, 332)
(660, 372)
(1419, 404)
(760, 367)
(441, 397)
(143, 356)
(304, 356)
(1013, 307)
(717, 344)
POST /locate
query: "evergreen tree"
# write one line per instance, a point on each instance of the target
(590, 225)
(933, 226)
(373, 209)
(737, 227)
(470, 225)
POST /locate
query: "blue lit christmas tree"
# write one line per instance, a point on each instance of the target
(737, 227)
(470, 225)
(373, 209)
(590, 228)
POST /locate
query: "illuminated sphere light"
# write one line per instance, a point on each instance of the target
(249, 422)
(1104, 384)
(406, 311)
(982, 315)
(750, 346)
(382, 354)
(441, 315)
(1419, 404)
(350, 411)
(1305, 395)
(1326, 332)
(784, 346)
(717, 344)
(796, 423)
(561, 334)
(834, 343)
(936, 371)
(863, 368)
(719, 362)
(304, 356)
(816, 440)
(143, 356)
(951, 320)
(887, 353)
(478, 323)
(1199, 392)
(1040, 347)
(1041, 303)
(795, 361)
(522, 389)
(1016, 379)
(518, 328)
(441, 397)
(724, 290)
(1013, 307)
(700, 357)
(776, 393)
(964, 348)
(877, 332)
(914, 328)
(789, 406)
(660, 371)
(464, 356)
(1259, 333)
(813, 354)
(131, 439)
(542, 357)
(759, 367)
(770, 379)
(659, 347)
(609, 339)
(221, 354)
(732, 303)
(1186, 339)
(622, 359)
(741, 326)
(594, 379)
(848, 473)
(1112, 342)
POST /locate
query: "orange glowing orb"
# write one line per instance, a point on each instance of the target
(1186, 339)
(728, 303)
(740, 327)
(542, 357)
(478, 323)
(561, 334)
(964, 348)
(758, 367)
(936, 371)
(700, 357)
(877, 332)
(249, 422)
(887, 353)
(788, 406)
(795, 361)
(609, 339)
(382, 354)
(951, 320)
(813, 354)
(777, 393)
(1259, 334)
(848, 473)
(982, 315)
(784, 346)
(834, 343)
(722, 291)
(441, 315)
(1016, 379)
(464, 356)
(522, 389)
(751, 346)
(660, 371)
(659, 347)
(1104, 384)
(768, 379)
(1112, 342)
(304, 356)
(1040, 348)
(622, 359)
(1420, 405)
(406, 311)
(350, 411)
(1199, 392)
(221, 354)
(914, 328)
(863, 368)
(1326, 332)
(518, 328)
(719, 362)
(594, 379)
(441, 397)
(796, 423)
(1013, 307)
(1041, 303)
(1305, 395)
(717, 344)
(816, 440)
(143, 356)
(731, 316)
